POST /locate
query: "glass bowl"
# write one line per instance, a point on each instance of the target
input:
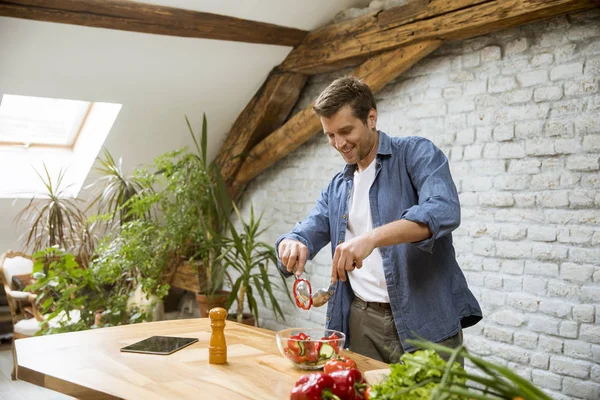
(310, 348)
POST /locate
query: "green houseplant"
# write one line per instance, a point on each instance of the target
(66, 293)
(57, 219)
(195, 208)
(162, 215)
(117, 189)
(249, 259)
(74, 298)
(132, 261)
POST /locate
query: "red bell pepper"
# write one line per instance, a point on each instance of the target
(339, 363)
(316, 386)
(348, 384)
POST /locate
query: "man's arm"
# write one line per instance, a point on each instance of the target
(436, 214)
(350, 255)
(306, 239)
(438, 207)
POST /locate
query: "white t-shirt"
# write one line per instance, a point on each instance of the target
(368, 283)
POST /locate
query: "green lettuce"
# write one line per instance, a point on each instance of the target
(418, 376)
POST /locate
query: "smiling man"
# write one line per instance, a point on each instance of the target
(389, 216)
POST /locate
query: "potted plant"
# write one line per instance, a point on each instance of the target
(128, 268)
(195, 208)
(57, 220)
(249, 259)
(66, 294)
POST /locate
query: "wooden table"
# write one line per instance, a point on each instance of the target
(89, 365)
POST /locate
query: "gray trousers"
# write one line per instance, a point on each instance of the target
(373, 333)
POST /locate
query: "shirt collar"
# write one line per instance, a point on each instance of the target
(383, 149)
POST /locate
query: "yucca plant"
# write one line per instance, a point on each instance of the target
(250, 259)
(56, 219)
(118, 189)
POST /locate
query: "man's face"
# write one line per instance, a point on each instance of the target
(354, 140)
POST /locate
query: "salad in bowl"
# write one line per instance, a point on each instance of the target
(310, 348)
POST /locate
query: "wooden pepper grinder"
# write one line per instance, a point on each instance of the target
(217, 348)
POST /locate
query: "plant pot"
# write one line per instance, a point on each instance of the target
(247, 319)
(207, 302)
(98, 318)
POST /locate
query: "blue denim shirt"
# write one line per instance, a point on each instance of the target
(428, 292)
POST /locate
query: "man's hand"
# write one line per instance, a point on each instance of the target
(293, 253)
(350, 255)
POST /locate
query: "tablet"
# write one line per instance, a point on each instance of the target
(159, 345)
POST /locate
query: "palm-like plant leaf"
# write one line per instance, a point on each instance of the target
(56, 220)
(118, 190)
(250, 259)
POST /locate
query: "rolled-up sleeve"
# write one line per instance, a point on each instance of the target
(313, 231)
(438, 205)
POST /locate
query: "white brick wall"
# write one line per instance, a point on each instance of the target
(518, 114)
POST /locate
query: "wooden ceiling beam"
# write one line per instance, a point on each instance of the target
(267, 111)
(327, 48)
(147, 18)
(417, 10)
(376, 72)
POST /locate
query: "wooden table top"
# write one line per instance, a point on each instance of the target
(89, 364)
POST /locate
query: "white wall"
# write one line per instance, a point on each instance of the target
(518, 114)
(158, 80)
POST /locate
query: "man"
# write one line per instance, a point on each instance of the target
(389, 216)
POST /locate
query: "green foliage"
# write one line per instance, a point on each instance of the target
(172, 210)
(137, 256)
(117, 189)
(424, 375)
(195, 207)
(250, 259)
(57, 220)
(63, 289)
(416, 377)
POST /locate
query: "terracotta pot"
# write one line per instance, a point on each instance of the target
(247, 319)
(98, 318)
(206, 302)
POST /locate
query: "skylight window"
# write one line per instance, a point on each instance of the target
(40, 121)
(38, 133)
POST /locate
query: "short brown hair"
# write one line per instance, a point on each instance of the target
(346, 91)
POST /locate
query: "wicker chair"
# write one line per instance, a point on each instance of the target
(26, 317)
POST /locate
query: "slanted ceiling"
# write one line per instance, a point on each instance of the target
(381, 45)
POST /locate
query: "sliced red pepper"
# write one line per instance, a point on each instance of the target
(298, 302)
(294, 346)
(312, 353)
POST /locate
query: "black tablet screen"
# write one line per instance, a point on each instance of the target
(159, 345)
